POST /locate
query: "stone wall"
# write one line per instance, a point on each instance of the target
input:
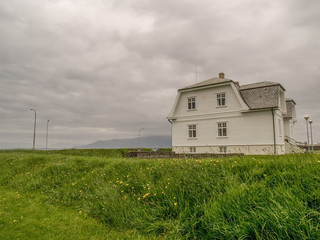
(160, 154)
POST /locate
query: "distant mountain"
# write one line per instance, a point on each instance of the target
(145, 142)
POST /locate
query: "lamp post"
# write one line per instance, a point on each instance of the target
(47, 135)
(310, 121)
(139, 136)
(306, 117)
(34, 129)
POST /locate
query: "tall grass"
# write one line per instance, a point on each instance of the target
(252, 197)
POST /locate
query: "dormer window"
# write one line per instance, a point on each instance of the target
(191, 103)
(221, 99)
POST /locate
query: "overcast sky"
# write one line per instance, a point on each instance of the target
(100, 70)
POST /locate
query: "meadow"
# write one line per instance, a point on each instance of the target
(100, 194)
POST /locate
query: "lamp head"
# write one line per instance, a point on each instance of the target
(306, 117)
(310, 121)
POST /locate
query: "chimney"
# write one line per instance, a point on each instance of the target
(221, 75)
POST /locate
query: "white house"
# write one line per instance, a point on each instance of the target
(220, 116)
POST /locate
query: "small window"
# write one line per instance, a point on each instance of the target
(191, 103)
(192, 149)
(222, 129)
(221, 99)
(223, 149)
(192, 131)
(280, 130)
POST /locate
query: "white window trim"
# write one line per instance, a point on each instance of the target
(192, 149)
(227, 129)
(192, 138)
(195, 103)
(223, 147)
(280, 128)
(225, 100)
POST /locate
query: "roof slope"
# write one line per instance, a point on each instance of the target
(211, 81)
(260, 84)
(261, 97)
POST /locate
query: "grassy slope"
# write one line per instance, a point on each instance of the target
(25, 216)
(252, 197)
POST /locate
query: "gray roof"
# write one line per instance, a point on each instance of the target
(290, 105)
(261, 97)
(260, 84)
(211, 81)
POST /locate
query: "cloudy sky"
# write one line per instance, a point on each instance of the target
(104, 69)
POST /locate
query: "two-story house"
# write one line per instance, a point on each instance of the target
(220, 116)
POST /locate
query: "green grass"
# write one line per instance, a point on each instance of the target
(25, 216)
(81, 194)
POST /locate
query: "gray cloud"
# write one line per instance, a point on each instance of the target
(102, 70)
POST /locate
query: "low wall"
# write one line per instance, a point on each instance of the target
(179, 155)
(234, 149)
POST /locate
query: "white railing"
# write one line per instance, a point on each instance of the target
(291, 140)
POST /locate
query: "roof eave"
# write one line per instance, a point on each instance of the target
(261, 109)
(291, 100)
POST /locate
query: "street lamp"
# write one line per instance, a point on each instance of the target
(34, 129)
(310, 121)
(47, 135)
(139, 136)
(306, 117)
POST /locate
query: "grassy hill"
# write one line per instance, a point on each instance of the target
(99, 194)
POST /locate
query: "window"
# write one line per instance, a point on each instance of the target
(222, 129)
(191, 103)
(221, 99)
(192, 131)
(223, 149)
(280, 130)
(192, 149)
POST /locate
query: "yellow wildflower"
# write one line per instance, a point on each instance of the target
(147, 194)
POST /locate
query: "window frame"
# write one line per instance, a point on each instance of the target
(193, 131)
(222, 129)
(191, 103)
(220, 99)
(192, 149)
(223, 149)
(280, 128)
